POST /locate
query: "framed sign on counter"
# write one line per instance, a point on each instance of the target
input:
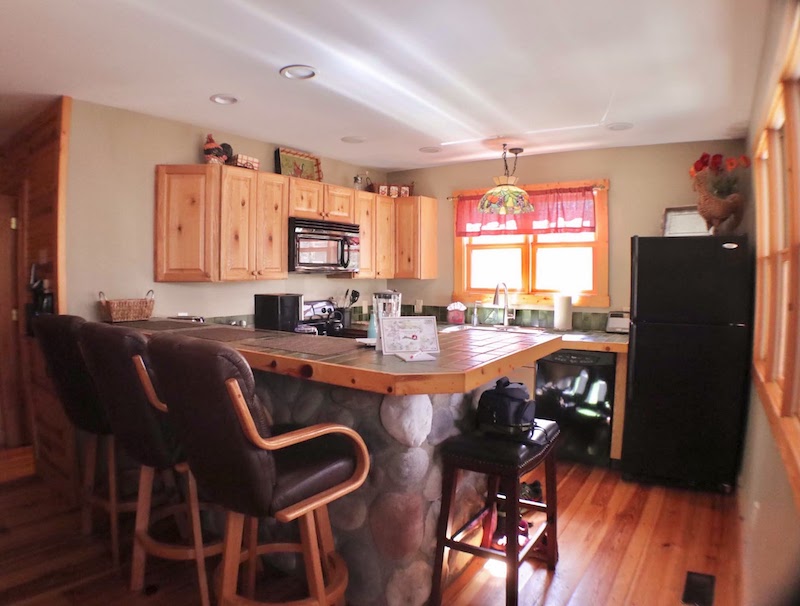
(405, 334)
(684, 221)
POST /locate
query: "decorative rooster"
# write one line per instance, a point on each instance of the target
(723, 215)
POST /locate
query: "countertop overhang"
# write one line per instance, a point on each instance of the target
(467, 360)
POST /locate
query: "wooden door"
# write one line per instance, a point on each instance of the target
(384, 237)
(339, 204)
(13, 431)
(187, 223)
(365, 218)
(272, 210)
(237, 254)
(305, 198)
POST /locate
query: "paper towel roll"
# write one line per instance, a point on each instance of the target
(562, 308)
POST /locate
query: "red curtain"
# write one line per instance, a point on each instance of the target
(569, 209)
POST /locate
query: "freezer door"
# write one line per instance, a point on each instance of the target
(692, 280)
(686, 403)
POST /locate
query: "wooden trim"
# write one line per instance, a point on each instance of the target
(64, 109)
(304, 507)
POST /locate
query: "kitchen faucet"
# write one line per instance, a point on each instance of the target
(496, 301)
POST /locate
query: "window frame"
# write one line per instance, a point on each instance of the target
(598, 297)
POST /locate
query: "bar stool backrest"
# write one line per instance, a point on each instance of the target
(192, 375)
(144, 432)
(58, 339)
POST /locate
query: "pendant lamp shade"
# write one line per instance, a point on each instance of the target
(505, 198)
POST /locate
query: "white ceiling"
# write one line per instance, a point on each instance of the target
(544, 75)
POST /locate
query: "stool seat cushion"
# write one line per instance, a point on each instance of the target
(309, 468)
(488, 453)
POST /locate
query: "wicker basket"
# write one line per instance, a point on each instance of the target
(126, 310)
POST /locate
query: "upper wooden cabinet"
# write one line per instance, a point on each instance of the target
(218, 222)
(365, 218)
(384, 240)
(415, 240)
(315, 200)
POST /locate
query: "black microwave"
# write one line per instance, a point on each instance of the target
(322, 247)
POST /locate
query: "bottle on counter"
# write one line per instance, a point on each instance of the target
(372, 329)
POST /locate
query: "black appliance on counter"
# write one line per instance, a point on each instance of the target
(688, 359)
(281, 311)
(323, 246)
(576, 389)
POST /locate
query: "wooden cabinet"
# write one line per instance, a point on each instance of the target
(365, 218)
(415, 237)
(218, 222)
(315, 200)
(384, 240)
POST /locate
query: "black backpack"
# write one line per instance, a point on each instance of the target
(506, 410)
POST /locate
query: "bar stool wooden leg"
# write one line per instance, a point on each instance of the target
(444, 528)
(311, 558)
(143, 503)
(197, 540)
(511, 490)
(231, 552)
(326, 543)
(113, 497)
(552, 510)
(490, 519)
(89, 470)
(251, 532)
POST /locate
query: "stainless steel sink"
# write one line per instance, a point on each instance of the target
(494, 328)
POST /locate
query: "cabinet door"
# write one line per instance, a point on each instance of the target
(415, 235)
(305, 198)
(339, 204)
(272, 226)
(384, 237)
(237, 224)
(365, 218)
(186, 223)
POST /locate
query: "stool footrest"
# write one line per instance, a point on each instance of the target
(471, 524)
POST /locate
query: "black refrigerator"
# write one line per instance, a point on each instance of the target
(688, 360)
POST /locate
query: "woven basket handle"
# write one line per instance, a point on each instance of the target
(102, 297)
(150, 295)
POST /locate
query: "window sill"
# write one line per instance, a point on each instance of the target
(786, 430)
(516, 299)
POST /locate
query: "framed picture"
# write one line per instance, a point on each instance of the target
(297, 164)
(683, 221)
(405, 191)
(383, 190)
(394, 191)
(405, 334)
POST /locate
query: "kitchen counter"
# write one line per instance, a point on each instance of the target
(386, 530)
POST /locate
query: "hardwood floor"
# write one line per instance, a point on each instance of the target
(619, 543)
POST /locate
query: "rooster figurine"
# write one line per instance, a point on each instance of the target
(213, 151)
(722, 215)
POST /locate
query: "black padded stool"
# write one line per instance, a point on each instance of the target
(505, 462)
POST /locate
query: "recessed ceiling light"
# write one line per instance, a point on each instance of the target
(224, 99)
(298, 72)
(430, 149)
(353, 139)
(619, 126)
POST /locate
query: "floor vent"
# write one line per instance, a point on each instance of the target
(699, 589)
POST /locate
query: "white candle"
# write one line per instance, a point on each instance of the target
(562, 308)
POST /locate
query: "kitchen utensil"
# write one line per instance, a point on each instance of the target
(344, 299)
(354, 295)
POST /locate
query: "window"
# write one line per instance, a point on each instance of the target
(536, 255)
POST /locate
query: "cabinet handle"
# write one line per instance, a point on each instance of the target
(253, 272)
(260, 272)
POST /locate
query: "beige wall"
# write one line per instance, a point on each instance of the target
(109, 222)
(643, 181)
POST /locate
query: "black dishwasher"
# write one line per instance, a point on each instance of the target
(576, 389)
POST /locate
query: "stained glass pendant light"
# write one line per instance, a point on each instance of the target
(505, 198)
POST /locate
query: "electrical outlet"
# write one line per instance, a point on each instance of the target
(418, 306)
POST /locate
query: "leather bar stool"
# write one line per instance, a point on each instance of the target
(505, 462)
(118, 362)
(58, 340)
(251, 469)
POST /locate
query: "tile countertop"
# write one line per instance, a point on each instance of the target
(468, 358)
